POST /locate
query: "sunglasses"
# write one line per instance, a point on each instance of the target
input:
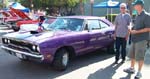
(122, 8)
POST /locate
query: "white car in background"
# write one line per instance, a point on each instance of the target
(32, 27)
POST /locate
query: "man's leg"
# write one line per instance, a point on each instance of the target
(132, 57)
(123, 49)
(132, 62)
(118, 43)
(140, 54)
(140, 64)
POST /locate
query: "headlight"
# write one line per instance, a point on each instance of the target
(35, 48)
(38, 49)
(8, 41)
(5, 40)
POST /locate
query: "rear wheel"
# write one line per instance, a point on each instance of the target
(61, 59)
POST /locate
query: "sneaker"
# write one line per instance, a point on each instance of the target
(116, 62)
(129, 70)
(138, 75)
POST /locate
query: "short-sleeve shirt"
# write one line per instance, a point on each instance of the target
(122, 21)
(142, 21)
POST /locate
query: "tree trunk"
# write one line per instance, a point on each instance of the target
(129, 3)
(81, 7)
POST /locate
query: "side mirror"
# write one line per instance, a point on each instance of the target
(89, 29)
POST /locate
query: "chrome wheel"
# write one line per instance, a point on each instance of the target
(65, 59)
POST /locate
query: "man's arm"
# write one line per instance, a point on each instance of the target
(129, 26)
(115, 24)
(140, 31)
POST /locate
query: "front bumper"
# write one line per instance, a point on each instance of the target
(22, 53)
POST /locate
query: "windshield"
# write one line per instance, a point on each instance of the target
(71, 24)
(49, 20)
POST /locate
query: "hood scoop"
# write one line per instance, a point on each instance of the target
(40, 29)
(34, 32)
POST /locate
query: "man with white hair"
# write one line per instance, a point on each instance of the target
(122, 21)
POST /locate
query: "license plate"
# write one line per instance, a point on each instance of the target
(19, 55)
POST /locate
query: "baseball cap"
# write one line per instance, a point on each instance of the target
(138, 2)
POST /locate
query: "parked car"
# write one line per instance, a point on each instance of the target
(26, 19)
(62, 40)
(8, 18)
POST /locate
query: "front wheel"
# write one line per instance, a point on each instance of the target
(61, 59)
(24, 58)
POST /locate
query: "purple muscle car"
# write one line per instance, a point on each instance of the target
(62, 40)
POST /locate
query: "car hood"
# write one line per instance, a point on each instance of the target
(12, 19)
(19, 23)
(36, 38)
(20, 13)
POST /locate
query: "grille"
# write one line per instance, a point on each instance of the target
(22, 46)
(21, 43)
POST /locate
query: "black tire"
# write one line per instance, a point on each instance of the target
(58, 63)
(24, 58)
(111, 49)
(15, 28)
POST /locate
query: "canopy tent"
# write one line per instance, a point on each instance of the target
(17, 5)
(108, 4)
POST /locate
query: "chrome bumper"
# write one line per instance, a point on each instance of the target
(23, 53)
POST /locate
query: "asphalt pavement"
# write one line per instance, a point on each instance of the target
(96, 65)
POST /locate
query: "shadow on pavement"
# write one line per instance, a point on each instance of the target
(105, 73)
(127, 77)
(16, 69)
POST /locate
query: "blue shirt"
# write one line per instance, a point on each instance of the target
(122, 21)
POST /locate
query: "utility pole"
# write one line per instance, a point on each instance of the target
(4, 3)
(129, 3)
(91, 2)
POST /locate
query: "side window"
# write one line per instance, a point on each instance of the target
(103, 24)
(93, 24)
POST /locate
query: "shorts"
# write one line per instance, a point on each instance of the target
(138, 50)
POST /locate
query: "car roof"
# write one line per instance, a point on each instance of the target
(81, 17)
(87, 17)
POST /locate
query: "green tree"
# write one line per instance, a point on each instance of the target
(52, 6)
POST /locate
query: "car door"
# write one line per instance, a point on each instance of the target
(107, 33)
(94, 32)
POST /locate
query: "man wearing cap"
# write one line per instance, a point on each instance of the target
(139, 38)
(122, 21)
